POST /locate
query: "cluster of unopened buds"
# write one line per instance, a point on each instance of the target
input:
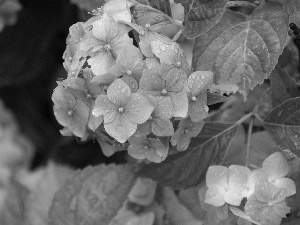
(264, 190)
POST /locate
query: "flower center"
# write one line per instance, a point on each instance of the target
(129, 72)
(146, 147)
(186, 131)
(107, 47)
(164, 91)
(178, 64)
(70, 113)
(88, 95)
(147, 25)
(121, 109)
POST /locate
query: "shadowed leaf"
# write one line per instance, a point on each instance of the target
(187, 169)
(283, 124)
(93, 196)
(242, 50)
(162, 5)
(201, 15)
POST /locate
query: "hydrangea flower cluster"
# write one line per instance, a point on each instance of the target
(265, 189)
(129, 92)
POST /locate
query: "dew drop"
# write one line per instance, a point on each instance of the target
(129, 72)
(121, 109)
(206, 109)
(158, 153)
(162, 47)
(194, 98)
(70, 113)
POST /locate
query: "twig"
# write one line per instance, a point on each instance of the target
(249, 140)
(177, 35)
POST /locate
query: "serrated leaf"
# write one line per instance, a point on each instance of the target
(283, 125)
(201, 15)
(187, 169)
(93, 196)
(242, 50)
(162, 5)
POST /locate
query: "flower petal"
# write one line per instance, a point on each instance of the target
(121, 128)
(138, 109)
(180, 104)
(237, 179)
(162, 127)
(129, 57)
(106, 28)
(215, 196)
(62, 98)
(217, 176)
(256, 175)
(101, 62)
(287, 184)
(119, 93)
(151, 81)
(105, 107)
(233, 197)
(276, 166)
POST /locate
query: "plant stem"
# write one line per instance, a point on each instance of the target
(249, 140)
(177, 35)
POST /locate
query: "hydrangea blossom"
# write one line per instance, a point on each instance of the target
(122, 110)
(267, 204)
(198, 83)
(129, 64)
(147, 148)
(70, 112)
(119, 9)
(226, 185)
(104, 43)
(187, 129)
(173, 62)
(173, 95)
(274, 169)
(73, 57)
(159, 122)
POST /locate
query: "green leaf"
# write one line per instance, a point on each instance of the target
(187, 169)
(177, 213)
(51, 179)
(144, 14)
(242, 51)
(93, 196)
(213, 98)
(13, 210)
(201, 15)
(162, 5)
(283, 125)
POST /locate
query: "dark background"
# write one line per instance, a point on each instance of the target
(30, 64)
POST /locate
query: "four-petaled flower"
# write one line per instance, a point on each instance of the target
(147, 148)
(104, 43)
(70, 112)
(172, 95)
(122, 110)
(267, 204)
(226, 185)
(187, 129)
